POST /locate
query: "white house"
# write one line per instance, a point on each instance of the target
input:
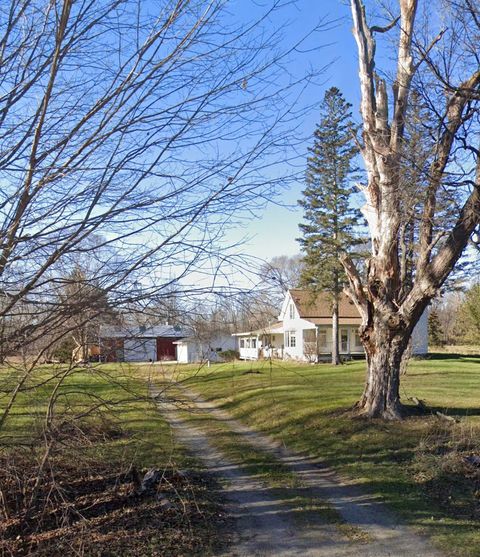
(304, 331)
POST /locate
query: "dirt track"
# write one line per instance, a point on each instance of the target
(266, 523)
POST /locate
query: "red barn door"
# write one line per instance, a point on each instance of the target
(166, 349)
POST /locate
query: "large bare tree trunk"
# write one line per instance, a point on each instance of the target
(390, 308)
(385, 349)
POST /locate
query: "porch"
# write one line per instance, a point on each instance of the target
(263, 343)
(320, 341)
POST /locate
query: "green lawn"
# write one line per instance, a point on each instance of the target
(107, 433)
(110, 398)
(416, 465)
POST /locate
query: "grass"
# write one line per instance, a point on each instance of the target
(107, 433)
(416, 465)
(147, 438)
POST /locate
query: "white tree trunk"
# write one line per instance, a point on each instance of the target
(389, 308)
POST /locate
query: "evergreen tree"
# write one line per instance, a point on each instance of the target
(330, 220)
(468, 319)
(435, 330)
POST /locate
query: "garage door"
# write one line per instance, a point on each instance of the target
(140, 349)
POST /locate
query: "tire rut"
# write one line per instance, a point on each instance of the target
(265, 523)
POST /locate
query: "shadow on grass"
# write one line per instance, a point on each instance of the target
(453, 411)
(442, 356)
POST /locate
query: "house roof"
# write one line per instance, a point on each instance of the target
(318, 308)
(269, 330)
(172, 331)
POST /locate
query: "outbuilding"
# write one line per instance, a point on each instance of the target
(140, 344)
(193, 349)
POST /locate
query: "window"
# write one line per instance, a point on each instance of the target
(309, 335)
(358, 342)
(344, 341)
(290, 339)
(292, 311)
(247, 343)
(242, 343)
(254, 342)
(322, 338)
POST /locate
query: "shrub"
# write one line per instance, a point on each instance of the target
(230, 355)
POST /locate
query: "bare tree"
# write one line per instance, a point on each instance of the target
(444, 68)
(279, 274)
(88, 306)
(148, 126)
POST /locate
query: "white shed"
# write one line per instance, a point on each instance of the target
(195, 350)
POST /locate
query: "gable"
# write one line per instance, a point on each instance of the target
(284, 312)
(318, 308)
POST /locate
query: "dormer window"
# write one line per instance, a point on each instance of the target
(292, 311)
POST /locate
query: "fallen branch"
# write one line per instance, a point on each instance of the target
(446, 417)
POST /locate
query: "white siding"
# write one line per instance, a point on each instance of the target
(296, 324)
(247, 351)
(193, 350)
(294, 352)
(420, 336)
(140, 349)
(225, 342)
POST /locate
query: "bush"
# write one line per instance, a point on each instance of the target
(63, 352)
(230, 355)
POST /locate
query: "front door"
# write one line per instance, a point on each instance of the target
(344, 341)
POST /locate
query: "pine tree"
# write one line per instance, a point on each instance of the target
(330, 220)
(468, 319)
(435, 330)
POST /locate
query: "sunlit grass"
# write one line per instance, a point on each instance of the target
(111, 396)
(307, 408)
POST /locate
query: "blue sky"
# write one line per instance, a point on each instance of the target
(274, 230)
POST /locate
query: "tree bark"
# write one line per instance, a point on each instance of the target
(406, 358)
(385, 347)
